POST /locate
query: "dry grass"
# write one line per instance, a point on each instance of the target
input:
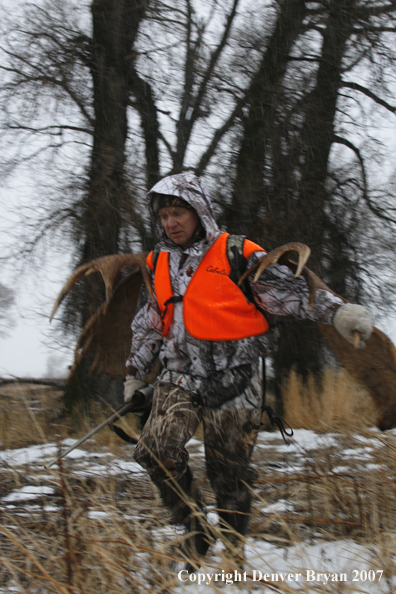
(28, 414)
(109, 535)
(337, 404)
(33, 414)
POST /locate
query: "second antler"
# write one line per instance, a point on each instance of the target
(281, 255)
(278, 255)
(109, 268)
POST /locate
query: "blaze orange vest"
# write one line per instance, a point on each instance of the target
(214, 307)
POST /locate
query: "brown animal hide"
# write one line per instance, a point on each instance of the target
(374, 367)
(108, 332)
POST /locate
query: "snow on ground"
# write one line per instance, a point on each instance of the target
(344, 565)
(304, 440)
(280, 506)
(26, 493)
(42, 454)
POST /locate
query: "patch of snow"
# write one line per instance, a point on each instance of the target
(26, 493)
(68, 442)
(194, 442)
(343, 565)
(10, 588)
(340, 469)
(166, 532)
(32, 508)
(374, 443)
(280, 506)
(115, 467)
(36, 453)
(343, 558)
(28, 455)
(268, 435)
(358, 453)
(374, 467)
(95, 514)
(305, 439)
(295, 468)
(213, 518)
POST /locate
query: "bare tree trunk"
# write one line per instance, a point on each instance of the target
(249, 189)
(300, 345)
(318, 131)
(115, 27)
(146, 106)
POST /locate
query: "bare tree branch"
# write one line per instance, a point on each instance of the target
(368, 93)
(218, 135)
(191, 106)
(350, 145)
(382, 213)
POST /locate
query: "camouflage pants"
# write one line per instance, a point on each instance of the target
(229, 442)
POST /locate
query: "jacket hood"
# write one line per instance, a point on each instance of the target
(190, 188)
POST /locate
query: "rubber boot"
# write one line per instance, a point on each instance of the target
(183, 499)
(196, 544)
(176, 495)
(197, 541)
(235, 528)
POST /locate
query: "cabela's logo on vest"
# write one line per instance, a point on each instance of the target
(216, 270)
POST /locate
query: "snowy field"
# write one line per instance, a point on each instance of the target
(323, 520)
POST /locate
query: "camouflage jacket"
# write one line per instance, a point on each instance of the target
(222, 373)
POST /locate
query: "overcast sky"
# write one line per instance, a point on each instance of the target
(28, 348)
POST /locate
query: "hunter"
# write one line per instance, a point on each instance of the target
(209, 334)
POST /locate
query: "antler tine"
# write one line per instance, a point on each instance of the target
(94, 364)
(315, 283)
(274, 256)
(109, 267)
(77, 274)
(82, 347)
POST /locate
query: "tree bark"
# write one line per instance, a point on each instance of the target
(249, 190)
(301, 345)
(115, 27)
(146, 106)
(318, 130)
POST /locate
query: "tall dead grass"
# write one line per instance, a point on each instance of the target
(335, 403)
(110, 534)
(33, 414)
(28, 414)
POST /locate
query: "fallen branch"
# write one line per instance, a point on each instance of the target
(53, 383)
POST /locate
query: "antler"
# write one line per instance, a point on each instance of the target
(298, 268)
(314, 281)
(109, 267)
(275, 255)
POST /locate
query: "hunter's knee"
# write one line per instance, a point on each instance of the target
(161, 461)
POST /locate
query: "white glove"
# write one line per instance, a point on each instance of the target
(350, 318)
(131, 384)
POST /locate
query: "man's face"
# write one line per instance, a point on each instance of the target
(180, 224)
